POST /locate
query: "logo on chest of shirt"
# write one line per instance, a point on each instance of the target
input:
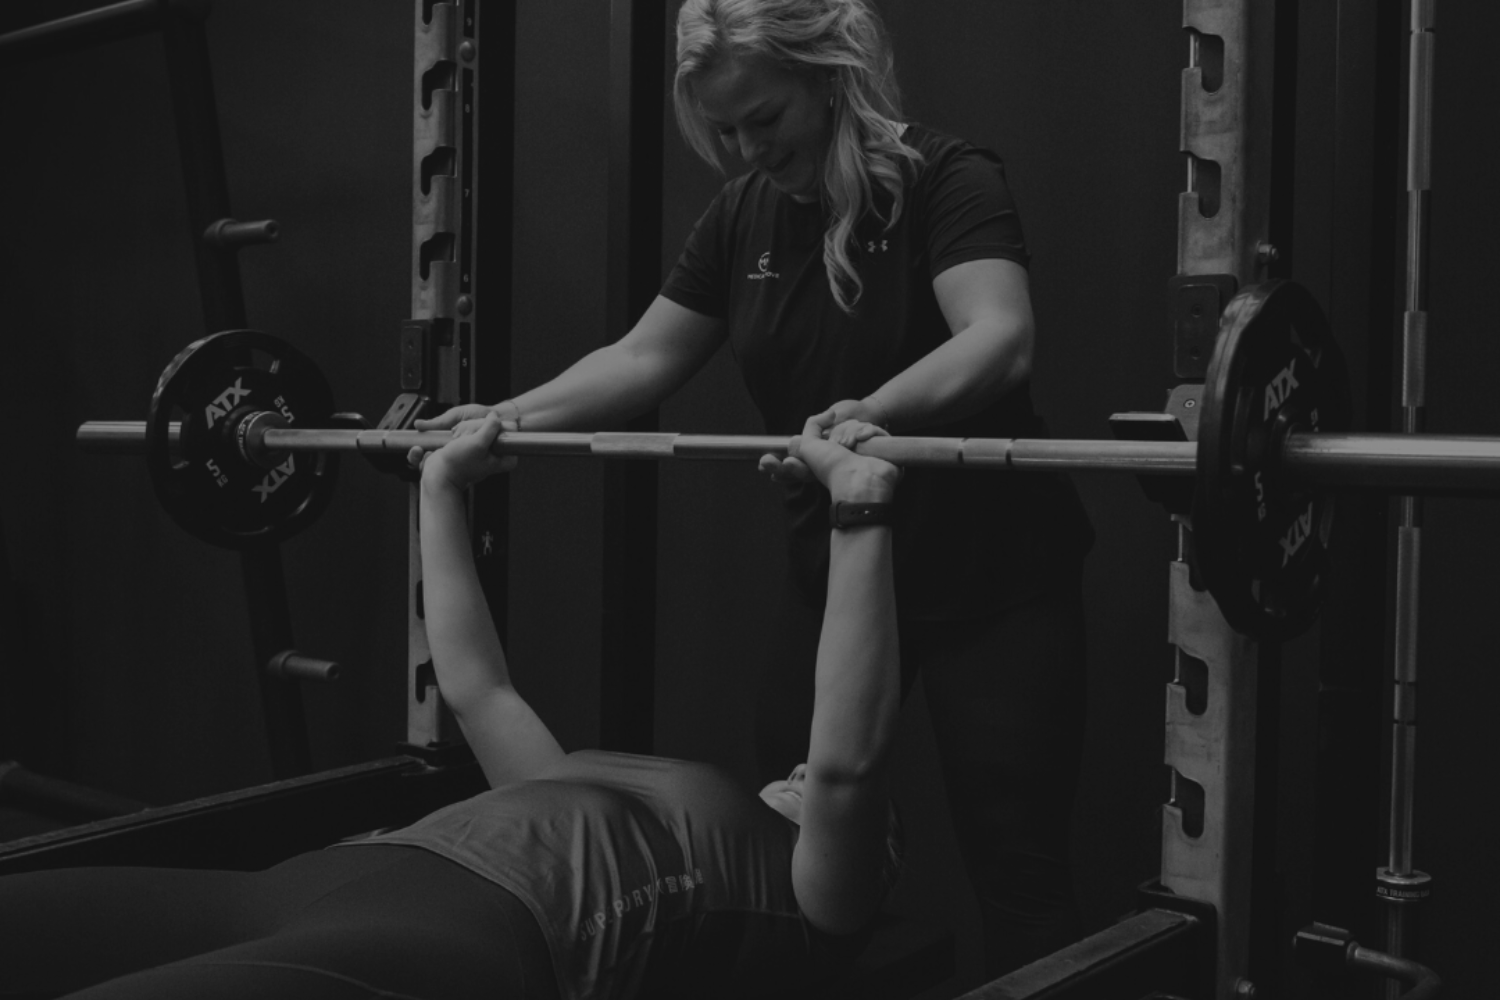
(765, 268)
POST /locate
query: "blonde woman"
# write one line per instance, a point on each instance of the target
(876, 267)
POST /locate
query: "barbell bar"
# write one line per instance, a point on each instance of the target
(1392, 463)
(264, 445)
(241, 443)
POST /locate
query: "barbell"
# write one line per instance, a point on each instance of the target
(241, 442)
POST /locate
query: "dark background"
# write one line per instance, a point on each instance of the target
(128, 665)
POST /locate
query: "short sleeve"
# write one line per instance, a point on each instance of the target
(968, 212)
(698, 280)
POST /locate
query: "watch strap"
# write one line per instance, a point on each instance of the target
(842, 514)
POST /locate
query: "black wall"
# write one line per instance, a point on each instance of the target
(129, 668)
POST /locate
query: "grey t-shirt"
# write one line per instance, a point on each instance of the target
(644, 874)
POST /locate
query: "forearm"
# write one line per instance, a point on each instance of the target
(841, 850)
(603, 389)
(508, 739)
(466, 651)
(627, 378)
(967, 373)
(858, 673)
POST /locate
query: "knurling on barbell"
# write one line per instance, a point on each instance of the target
(237, 457)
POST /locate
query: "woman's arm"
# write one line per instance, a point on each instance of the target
(609, 386)
(836, 866)
(987, 304)
(509, 740)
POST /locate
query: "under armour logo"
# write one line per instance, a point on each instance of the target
(881, 247)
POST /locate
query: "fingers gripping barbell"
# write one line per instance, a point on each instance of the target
(241, 441)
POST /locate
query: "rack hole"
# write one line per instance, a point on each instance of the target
(442, 76)
(441, 162)
(1187, 796)
(426, 678)
(440, 247)
(1204, 179)
(1207, 53)
(1192, 676)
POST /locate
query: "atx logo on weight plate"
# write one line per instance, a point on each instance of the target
(1299, 532)
(226, 401)
(1280, 388)
(278, 475)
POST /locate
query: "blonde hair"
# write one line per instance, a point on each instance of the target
(843, 38)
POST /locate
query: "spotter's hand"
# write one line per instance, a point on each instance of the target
(467, 459)
(451, 418)
(847, 422)
(848, 475)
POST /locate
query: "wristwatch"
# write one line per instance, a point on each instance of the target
(842, 514)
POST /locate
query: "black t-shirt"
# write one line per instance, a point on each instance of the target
(968, 543)
(647, 875)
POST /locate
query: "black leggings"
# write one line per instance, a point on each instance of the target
(1006, 698)
(346, 923)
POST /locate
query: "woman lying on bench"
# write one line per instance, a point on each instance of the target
(588, 874)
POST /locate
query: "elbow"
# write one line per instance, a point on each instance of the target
(1016, 360)
(1020, 366)
(999, 358)
(645, 375)
(1009, 376)
(848, 772)
(467, 699)
(459, 701)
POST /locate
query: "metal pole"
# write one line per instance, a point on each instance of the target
(1399, 884)
(454, 332)
(627, 668)
(1362, 183)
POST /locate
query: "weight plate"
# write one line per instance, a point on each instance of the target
(1261, 539)
(204, 481)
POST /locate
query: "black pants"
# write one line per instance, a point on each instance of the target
(347, 923)
(1006, 697)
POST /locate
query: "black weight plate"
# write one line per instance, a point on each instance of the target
(204, 482)
(1260, 539)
